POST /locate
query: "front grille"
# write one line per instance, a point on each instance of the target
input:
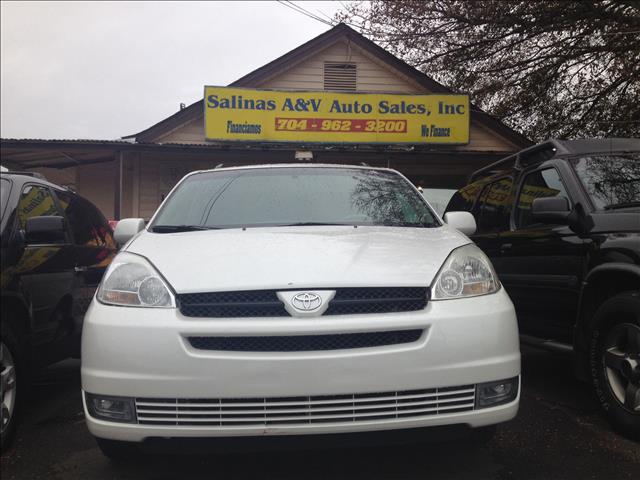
(251, 303)
(305, 343)
(265, 303)
(377, 300)
(287, 411)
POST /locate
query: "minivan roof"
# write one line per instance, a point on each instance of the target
(296, 165)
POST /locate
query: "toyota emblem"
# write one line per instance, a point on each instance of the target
(306, 301)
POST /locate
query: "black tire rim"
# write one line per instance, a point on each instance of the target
(7, 387)
(621, 358)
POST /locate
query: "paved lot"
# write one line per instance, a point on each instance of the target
(558, 434)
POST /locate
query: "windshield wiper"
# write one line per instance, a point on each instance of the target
(622, 205)
(178, 228)
(312, 224)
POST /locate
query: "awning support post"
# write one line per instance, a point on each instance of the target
(117, 190)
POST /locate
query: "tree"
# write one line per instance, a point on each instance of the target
(560, 69)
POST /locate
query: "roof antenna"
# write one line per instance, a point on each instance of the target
(220, 165)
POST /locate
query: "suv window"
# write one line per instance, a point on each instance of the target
(462, 200)
(612, 181)
(87, 224)
(494, 206)
(539, 184)
(35, 201)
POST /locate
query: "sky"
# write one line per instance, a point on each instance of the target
(103, 70)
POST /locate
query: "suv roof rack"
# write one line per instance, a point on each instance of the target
(529, 156)
(550, 148)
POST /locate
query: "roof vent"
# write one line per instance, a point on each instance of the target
(340, 76)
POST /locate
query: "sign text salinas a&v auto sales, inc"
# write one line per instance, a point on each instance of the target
(238, 114)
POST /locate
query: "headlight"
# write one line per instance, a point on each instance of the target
(131, 281)
(467, 272)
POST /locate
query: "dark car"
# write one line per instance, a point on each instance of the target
(561, 224)
(55, 248)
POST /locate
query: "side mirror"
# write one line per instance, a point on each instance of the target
(126, 229)
(462, 221)
(551, 210)
(38, 230)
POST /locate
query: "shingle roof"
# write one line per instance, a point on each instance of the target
(340, 31)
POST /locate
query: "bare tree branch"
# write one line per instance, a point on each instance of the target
(547, 68)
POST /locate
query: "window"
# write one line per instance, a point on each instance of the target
(35, 201)
(462, 200)
(438, 198)
(87, 224)
(540, 184)
(494, 206)
(284, 196)
(4, 194)
(612, 181)
(340, 76)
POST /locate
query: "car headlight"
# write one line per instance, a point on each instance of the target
(131, 281)
(467, 272)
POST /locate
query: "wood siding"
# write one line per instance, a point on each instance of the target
(372, 76)
(96, 182)
(65, 177)
(191, 133)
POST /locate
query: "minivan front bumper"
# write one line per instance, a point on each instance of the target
(143, 355)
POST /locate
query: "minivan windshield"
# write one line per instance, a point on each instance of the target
(5, 187)
(292, 196)
(612, 181)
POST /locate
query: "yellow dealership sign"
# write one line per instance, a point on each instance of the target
(239, 114)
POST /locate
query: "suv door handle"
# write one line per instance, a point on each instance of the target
(505, 247)
(80, 269)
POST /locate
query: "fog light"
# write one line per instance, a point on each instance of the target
(113, 409)
(496, 393)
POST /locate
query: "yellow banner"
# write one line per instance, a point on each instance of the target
(239, 114)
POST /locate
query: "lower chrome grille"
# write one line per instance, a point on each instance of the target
(305, 343)
(273, 411)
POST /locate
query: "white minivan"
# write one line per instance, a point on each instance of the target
(296, 300)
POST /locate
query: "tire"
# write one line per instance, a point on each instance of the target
(10, 371)
(118, 451)
(614, 361)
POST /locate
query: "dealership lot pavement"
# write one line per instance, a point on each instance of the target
(558, 434)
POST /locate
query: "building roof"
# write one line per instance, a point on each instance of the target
(62, 153)
(315, 45)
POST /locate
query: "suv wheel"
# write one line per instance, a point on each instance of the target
(614, 358)
(8, 387)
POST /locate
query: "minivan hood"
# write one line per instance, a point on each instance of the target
(298, 257)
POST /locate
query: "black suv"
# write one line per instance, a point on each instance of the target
(561, 224)
(55, 248)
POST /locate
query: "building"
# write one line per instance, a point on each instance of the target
(131, 176)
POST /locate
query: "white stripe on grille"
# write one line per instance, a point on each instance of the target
(258, 412)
